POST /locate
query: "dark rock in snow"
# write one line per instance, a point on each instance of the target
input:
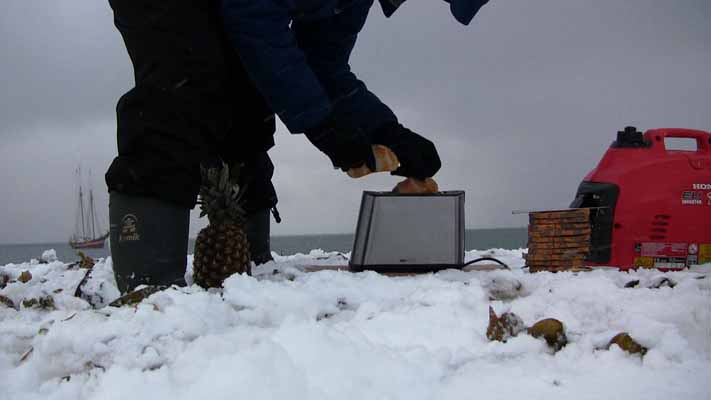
(6, 301)
(624, 341)
(662, 282)
(552, 331)
(25, 277)
(43, 303)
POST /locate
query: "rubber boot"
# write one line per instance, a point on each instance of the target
(257, 229)
(149, 241)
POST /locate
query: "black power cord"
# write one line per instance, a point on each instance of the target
(486, 259)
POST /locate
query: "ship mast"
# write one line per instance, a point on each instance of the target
(81, 211)
(93, 214)
(90, 235)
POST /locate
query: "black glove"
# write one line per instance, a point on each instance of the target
(346, 147)
(418, 156)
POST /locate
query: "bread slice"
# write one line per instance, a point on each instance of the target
(416, 186)
(385, 161)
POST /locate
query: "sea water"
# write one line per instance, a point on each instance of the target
(479, 239)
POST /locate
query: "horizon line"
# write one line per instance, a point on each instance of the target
(273, 236)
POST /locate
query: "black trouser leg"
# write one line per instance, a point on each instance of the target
(257, 229)
(259, 199)
(149, 241)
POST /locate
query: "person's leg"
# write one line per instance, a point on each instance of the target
(165, 125)
(260, 199)
(258, 234)
(148, 241)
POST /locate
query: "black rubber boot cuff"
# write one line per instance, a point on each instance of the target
(257, 228)
(149, 241)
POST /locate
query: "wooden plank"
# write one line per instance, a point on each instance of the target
(576, 220)
(563, 233)
(580, 248)
(564, 262)
(559, 239)
(555, 258)
(551, 257)
(559, 252)
(575, 226)
(560, 221)
(555, 263)
(570, 211)
(558, 233)
(560, 225)
(543, 268)
(579, 268)
(581, 245)
(577, 213)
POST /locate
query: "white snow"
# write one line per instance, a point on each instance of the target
(49, 256)
(286, 334)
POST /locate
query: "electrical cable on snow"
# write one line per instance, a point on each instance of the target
(486, 259)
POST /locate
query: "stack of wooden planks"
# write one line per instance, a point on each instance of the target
(558, 240)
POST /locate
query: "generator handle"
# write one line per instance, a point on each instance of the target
(703, 139)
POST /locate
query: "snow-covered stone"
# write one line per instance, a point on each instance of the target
(49, 256)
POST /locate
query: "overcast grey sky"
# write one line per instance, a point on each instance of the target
(522, 103)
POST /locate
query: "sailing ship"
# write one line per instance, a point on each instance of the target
(88, 233)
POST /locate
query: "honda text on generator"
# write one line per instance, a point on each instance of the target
(650, 205)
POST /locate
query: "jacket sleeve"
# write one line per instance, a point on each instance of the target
(327, 44)
(268, 49)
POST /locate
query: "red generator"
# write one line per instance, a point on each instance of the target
(650, 201)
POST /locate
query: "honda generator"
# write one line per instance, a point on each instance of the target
(650, 202)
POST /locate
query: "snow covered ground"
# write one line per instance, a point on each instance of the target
(286, 334)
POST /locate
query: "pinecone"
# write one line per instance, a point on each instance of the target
(221, 248)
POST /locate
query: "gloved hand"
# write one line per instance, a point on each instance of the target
(418, 156)
(346, 147)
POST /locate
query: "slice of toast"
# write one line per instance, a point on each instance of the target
(416, 186)
(385, 161)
